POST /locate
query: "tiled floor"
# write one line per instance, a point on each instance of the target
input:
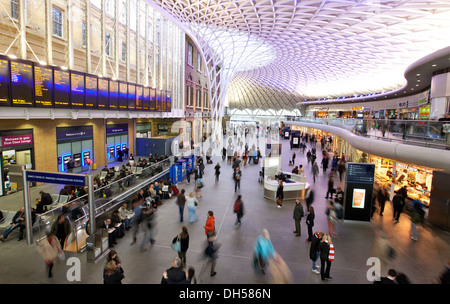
(421, 261)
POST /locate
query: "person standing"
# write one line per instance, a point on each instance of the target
(310, 223)
(191, 203)
(326, 249)
(298, 214)
(217, 171)
(237, 178)
(210, 225)
(325, 161)
(239, 210)
(341, 169)
(181, 201)
(280, 194)
(314, 251)
(184, 245)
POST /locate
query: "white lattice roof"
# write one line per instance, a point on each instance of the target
(275, 53)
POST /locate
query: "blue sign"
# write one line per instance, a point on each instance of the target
(55, 178)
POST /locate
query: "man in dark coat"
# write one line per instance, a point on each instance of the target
(298, 214)
(314, 250)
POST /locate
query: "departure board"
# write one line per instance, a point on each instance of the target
(22, 84)
(360, 173)
(43, 86)
(139, 97)
(77, 90)
(168, 102)
(113, 95)
(152, 99)
(4, 83)
(158, 100)
(91, 91)
(62, 88)
(103, 93)
(145, 99)
(123, 96)
(163, 100)
(131, 96)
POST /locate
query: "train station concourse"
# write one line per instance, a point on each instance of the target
(226, 143)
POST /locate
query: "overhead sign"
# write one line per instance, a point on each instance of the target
(55, 178)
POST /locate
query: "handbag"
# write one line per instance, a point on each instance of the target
(177, 244)
(279, 202)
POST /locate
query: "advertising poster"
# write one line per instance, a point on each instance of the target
(359, 195)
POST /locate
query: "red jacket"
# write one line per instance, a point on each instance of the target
(210, 224)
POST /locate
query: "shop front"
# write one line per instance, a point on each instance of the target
(16, 150)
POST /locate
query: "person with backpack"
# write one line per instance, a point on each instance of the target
(239, 210)
(417, 217)
(298, 214)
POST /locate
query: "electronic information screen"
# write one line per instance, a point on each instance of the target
(43, 86)
(22, 84)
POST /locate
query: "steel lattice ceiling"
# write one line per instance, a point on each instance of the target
(273, 54)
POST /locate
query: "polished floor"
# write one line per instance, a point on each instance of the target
(422, 261)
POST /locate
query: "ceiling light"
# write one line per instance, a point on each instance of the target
(418, 75)
(433, 65)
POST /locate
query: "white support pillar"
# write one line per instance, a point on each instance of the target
(69, 19)
(88, 36)
(146, 62)
(128, 31)
(116, 38)
(48, 31)
(138, 39)
(103, 38)
(22, 29)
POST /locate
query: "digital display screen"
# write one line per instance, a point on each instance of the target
(139, 97)
(62, 88)
(152, 99)
(77, 90)
(360, 173)
(358, 199)
(77, 160)
(91, 91)
(86, 156)
(123, 96)
(103, 93)
(43, 86)
(112, 152)
(158, 101)
(4, 83)
(22, 83)
(131, 97)
(146, 99)
(113, 95)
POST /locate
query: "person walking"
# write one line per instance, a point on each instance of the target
(264, 250)
(341, 169)
(309, 197)
(181, 202)
(49, 248)
(326, 249)
(417, 217)
(298, 214)
(310, 223)
(210, 225)
(191, 202)
(217, 171)
(280, 194)
(315, 171)
(382, 197)
(331, 218)
(61, 229)
(211, 252)
(325, 162)
(314, 251)
(237, 175)
(184, 245)
(239, 210)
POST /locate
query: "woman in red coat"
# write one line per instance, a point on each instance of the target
(210, 224)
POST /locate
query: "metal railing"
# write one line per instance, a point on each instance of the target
(77, 210)
(426, 133)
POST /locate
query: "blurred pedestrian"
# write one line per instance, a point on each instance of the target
(49, 248)
(211, 252)
(417, 217)
(148, 226)
(330, 189)
(61, 229)
(331, 218)
(237, 175)
(191, 276)
(445, 275)
(217, 171)
(298, 215)
(382, 249)
(264, 250)
(382, 197)
(314, 251)
(280, 194)
(399, 202)
(183, 237)
(315, 171)
(191, 202)
(280, 272)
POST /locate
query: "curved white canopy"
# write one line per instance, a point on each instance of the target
(275, 53)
